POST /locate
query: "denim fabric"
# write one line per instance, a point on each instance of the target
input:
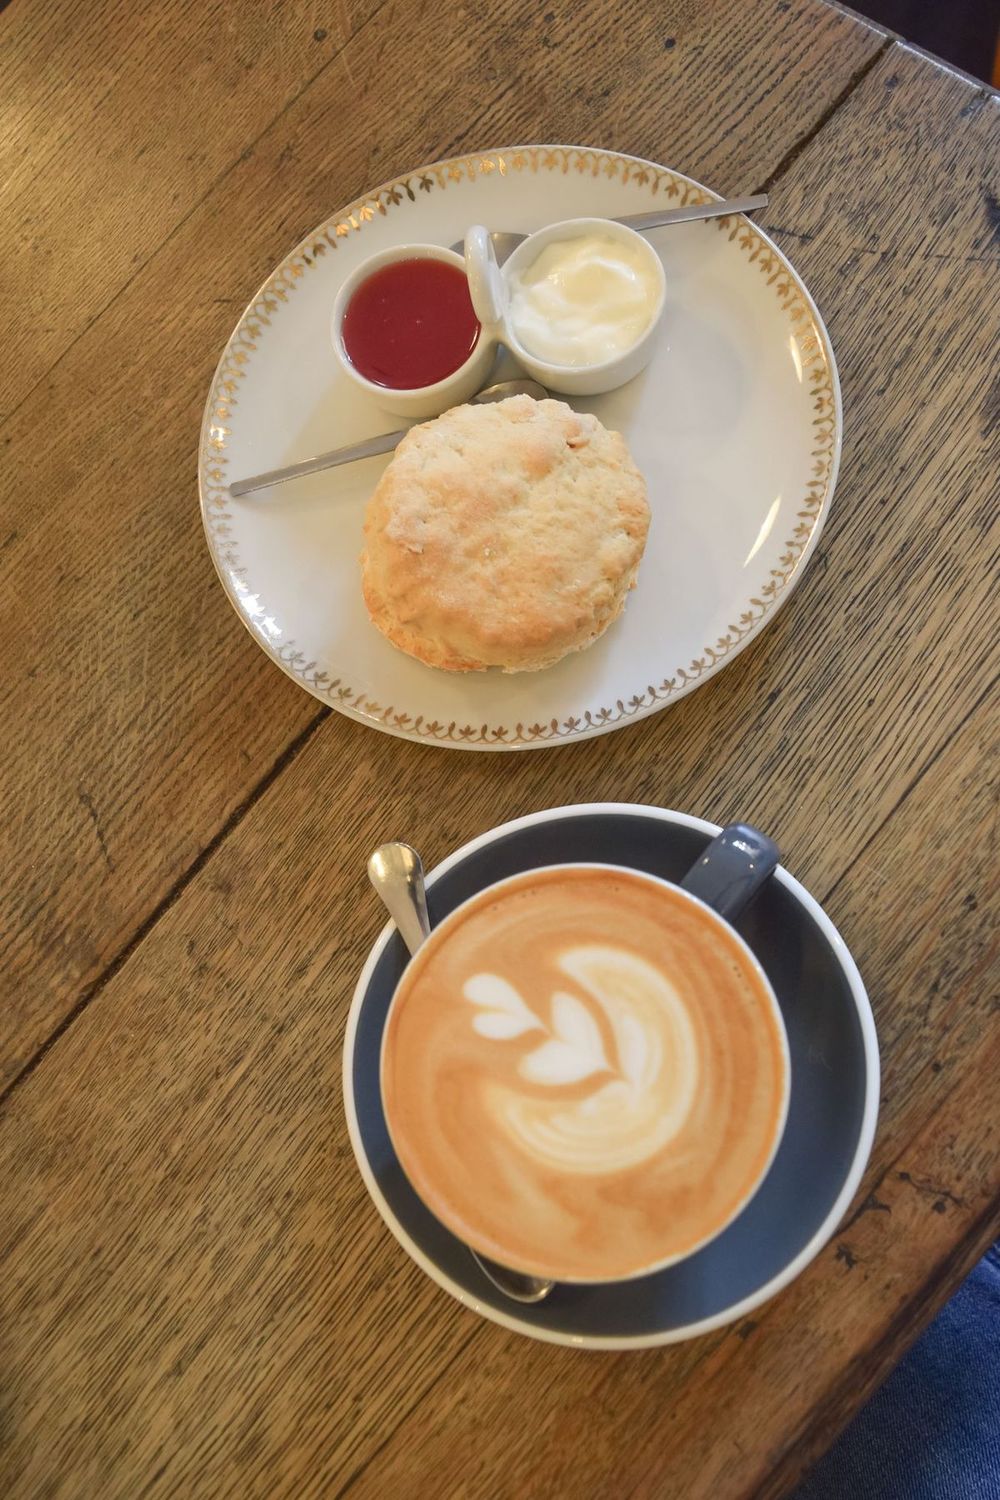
(932, 1431)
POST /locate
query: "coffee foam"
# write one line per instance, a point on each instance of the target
(583, 1075)
(643, 1085)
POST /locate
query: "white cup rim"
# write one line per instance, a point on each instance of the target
(529, 249)
(390, 256)
(440, 934)
(763, 1293)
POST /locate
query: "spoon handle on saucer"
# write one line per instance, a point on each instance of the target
(397, 874)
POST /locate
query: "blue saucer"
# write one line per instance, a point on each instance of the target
(831, 1118)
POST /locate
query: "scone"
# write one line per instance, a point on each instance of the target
(503, 535)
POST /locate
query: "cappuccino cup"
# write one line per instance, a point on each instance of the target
(584, 1069)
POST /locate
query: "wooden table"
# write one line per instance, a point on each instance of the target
(196, 1297)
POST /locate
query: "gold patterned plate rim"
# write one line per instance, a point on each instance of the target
(819, 365)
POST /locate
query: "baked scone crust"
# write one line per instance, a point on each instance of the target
(503, 535)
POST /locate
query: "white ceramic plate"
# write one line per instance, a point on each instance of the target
(736, 425)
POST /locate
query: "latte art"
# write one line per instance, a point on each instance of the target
(583, 1073)
(644, 1083)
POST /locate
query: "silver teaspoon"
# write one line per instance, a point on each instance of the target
(505, 242)
(384, 443)
(397, 874)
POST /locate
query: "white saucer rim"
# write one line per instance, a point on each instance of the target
(805, 1256)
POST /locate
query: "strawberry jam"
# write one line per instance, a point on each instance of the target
(410, 324)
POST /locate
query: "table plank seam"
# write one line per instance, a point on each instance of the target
(213, 187)
(795, 151)
(195, 1278)
(790, 156)
(943, 1278)
(865, 1373)
(286, 757)
(173, 894)
(905, 1327)
(127, 947)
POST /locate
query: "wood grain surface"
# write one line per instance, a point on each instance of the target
(196, 1297)
(137, 110)
(143, 720)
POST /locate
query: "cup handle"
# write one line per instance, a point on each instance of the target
(732, 869)
(486, 284)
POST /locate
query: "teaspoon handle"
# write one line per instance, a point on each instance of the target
(693, 211)
(370, 448)
(397, 874)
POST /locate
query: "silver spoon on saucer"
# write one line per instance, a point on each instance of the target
(384, 443)
(397, 874)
